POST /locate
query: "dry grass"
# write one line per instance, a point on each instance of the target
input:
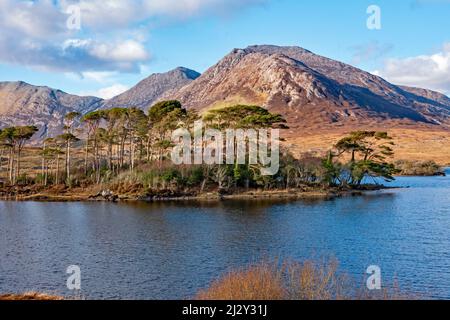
(292, 281)
(411, 144)
(234, 100)
(259, 282)
(29, 296)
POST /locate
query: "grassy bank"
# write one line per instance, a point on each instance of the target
(105, 192)
(419, 168)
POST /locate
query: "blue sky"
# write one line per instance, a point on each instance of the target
(121, 42)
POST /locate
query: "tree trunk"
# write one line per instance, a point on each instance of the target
(96, 162)
(68, 162)
(287, 180)
(1, 160)
(132, 155)
(86, 155)
(43, 164)
(17, 173)
(110, 155)
(11, 164)
(129, 156)
(46, 176)
(57, 170)
(122, 151)
(148, 149)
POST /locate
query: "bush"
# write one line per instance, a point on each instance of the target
(195, 177)
(418, 168)
(291, 280)
(29, 296)
(171, 175)
(23, 179)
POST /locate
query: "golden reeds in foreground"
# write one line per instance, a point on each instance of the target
(292, 280)
(29, 296)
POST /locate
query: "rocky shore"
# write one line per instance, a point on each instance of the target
(106, 195)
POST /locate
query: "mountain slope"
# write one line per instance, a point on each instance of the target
(314, 93)
(146, 92)
(25, 104)
(310, 90)
(428, 94)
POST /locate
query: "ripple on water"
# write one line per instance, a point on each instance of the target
(171, 250)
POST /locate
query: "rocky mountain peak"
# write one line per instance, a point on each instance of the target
(149, 90)
(311, 91)
(24, 104)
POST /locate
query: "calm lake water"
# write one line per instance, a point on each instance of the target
(171, 250)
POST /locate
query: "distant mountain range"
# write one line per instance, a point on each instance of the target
(24, 104)
(311, 91)
(149, 90)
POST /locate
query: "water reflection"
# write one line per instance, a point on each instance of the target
(171, 249)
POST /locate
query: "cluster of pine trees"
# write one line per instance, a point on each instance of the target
(101, 145)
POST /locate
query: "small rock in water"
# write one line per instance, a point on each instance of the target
(106, 193)
(109, 195)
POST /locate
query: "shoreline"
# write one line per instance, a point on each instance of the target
(255, 195)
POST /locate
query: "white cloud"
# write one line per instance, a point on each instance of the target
(191, 7)
(74, 55)
(35, 19)
(129, 50)
(100, 77)
(120, 13)
(108, 92)
(34, 32)
(106, 13)
(425, 71)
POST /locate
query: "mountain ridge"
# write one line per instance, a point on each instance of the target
(311, 91)
(296, 83)
(25, 104)
(149, 90)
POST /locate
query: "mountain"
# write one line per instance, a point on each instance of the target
(311, 91)
(149, 90)
(25, 104)
(314, 93)
(428, 94)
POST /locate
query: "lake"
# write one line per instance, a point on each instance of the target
(171, 250)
